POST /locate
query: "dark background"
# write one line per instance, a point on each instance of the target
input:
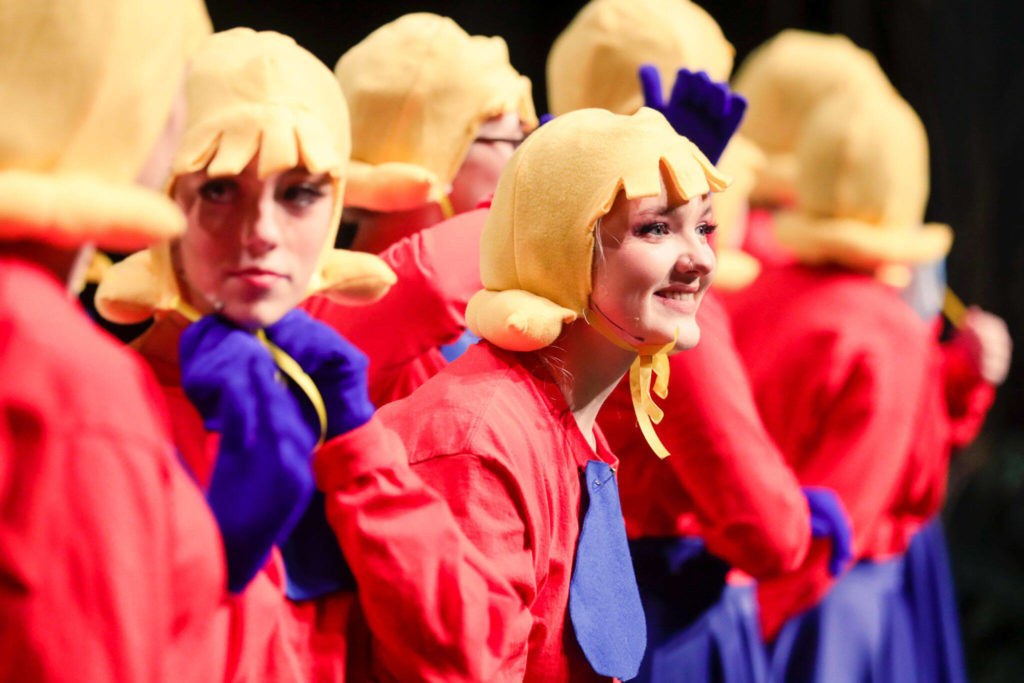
(960, 63)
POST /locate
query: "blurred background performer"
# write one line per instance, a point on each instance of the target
(854, 387)
(110, 564)
(436, 113)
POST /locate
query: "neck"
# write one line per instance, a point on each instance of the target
(379, 230)
(586, 367)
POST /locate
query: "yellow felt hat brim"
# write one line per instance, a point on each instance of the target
(735, 269)
(68, 210)
(86, 90)
(516, 320)
(858, 244)
(133, 289)
(354, 278)
(144, 284)
(392, 186)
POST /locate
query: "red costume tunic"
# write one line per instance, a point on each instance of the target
(438, 270)
(725, 479)
(850, 383)
(493, 434)
(110, 568)
(436, 608)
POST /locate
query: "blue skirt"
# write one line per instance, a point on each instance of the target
(860, 632)
(928, 591)
(699, 628)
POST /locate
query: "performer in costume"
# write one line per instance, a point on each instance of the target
(260, 175)
(594, 251)
(110, 567)
(724, 497)
(435, 115)
(850, 382)
(783, 80)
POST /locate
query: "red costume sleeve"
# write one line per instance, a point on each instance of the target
(968, 396)
(853, 427)
(438, 270)
(109, 562)
(436, 607)
(747, 501)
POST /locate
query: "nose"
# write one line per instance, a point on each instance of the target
(696, 259)
(262, 232)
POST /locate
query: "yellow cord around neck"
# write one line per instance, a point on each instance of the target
(651, 363)
(447, 210)
(285, 363)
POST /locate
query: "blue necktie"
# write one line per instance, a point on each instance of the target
(604, 603)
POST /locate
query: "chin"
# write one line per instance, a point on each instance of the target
(255, 315)
(689, 335)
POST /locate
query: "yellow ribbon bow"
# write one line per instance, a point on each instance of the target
(647, 411)
(651, 362)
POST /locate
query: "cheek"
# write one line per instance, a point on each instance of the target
(619, 284)
(309, 234)
(201, 255)
(483, 165)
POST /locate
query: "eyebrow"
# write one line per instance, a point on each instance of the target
(318, 178)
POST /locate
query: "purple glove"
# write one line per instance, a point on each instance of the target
(313, 560)
(829, 520)
(262, 480)
(337, 368)
(706, 112)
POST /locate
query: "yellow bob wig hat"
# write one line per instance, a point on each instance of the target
(537, 245)
(86, 87)
(419, 89)
(863, 187)
(595, 60)
(784, 79)
(253, 96)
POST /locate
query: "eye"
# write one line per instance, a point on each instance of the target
(706, 229)
(219, 191)
(303, 194)
(654, 229)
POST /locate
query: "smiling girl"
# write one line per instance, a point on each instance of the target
(585, 280)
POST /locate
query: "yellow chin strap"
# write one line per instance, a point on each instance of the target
(651, 363)
(285, 363)
(446, 206)
(954, 309)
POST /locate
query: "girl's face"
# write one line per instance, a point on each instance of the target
(478, 176)
(653, 266)
(251, 245)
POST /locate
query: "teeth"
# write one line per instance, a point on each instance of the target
(678, 296)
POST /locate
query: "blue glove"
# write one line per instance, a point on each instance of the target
(313, 560)
(544, 118)
(706, 112)
(829, 520)
(336, 367)
(262, 480)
